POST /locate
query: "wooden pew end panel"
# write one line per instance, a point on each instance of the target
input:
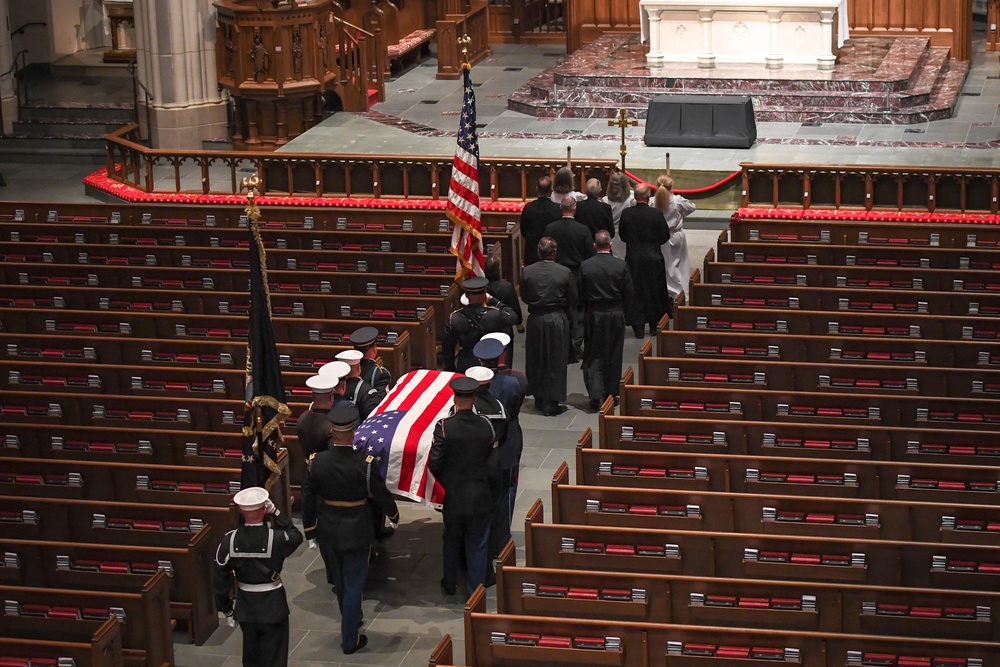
(442, 654)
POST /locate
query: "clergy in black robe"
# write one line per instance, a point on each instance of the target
(535, 216)
(645, 227)
(605, 286)
(504, 292)
(575, 243)
(548, 289)
(593, 212)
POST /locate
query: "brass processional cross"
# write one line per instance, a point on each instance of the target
(623, 122)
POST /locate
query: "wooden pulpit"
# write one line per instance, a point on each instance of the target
(277, 60)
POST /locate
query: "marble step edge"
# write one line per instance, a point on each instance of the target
(42, 122)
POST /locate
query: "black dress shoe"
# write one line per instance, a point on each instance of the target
(637, 331)
(595, 404)
(553, 410)
(362, 642)
(449, 590)
(385, 533)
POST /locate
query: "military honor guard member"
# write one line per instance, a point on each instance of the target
(464, 462)
(359, 392)
(337, 517)
(311, 427)
(509, 391)
(372, 372)
(340, 370)
(469, 323)
(253, 555)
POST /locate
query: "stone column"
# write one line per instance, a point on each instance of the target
(8, 99)
(175, 43)
(774, 59)
(655, 55)
(826, 60)
(706, 59)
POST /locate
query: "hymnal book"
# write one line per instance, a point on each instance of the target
(552, 591)
(582, 594)
(672, 510)
(616, 594)
(620, 549)
(699, 649)
(925, 612)
(754, 603)
(589, 642)
(879, 659)
(786, 603)
(772, 557)
(961, 566)
(892, 609)
(650, 550)
(835, 559)
(552, 641)
(720, 601)
(652, 472)
(806, 559)
(615, 508)
(767, 653)
(732, 652)
(642, 509)
(522, 639)
(589, 547)
(94, 613)
(959, 612)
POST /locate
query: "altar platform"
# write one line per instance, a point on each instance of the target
(898, 81)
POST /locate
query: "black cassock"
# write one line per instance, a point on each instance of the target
(644, 229)
(605, 286)
(548, 289)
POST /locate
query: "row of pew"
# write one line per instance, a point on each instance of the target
(122, 398)
(804, 472)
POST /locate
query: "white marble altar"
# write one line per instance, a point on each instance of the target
(769, 32)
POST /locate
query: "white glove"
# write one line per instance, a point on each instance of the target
(313, 545)
(393, 525)
(269, 507)
(230, 620)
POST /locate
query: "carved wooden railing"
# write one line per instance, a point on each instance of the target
(475, 24)
(360, 65)
(310, 175)
(871, 187)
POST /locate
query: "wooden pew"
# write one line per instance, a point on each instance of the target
(756, 510)
(305, 260)
(799, 376)
(837, 349)
(402, 26)
(848, 277)
(810, 606)
(146, 632)
(850, 407)
(102, 648)
(90, 566)
(839, 323)
(210, 353)
(865, 232)
(143, 524)
(800, 440)
(495, 640)
(835, 299)
(758, 556)
(785, 475)
(855, 255)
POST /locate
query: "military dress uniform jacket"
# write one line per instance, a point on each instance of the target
(364, 396)
(466, 464)
(254, 555)
(335, 493)
(377, 376)
(466, 326)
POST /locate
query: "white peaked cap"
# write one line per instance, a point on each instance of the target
(480, 374)
(322, 384)
(337, 369)
(500, 336)
(251, 499)
(352, 357)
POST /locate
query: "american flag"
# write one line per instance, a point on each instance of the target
(400, 431)
(463, 192)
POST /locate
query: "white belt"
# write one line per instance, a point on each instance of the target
(260, 588)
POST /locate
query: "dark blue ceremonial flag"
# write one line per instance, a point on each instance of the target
(265, 394)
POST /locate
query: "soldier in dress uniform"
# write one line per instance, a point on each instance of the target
(337, 517)
(468, 324)
(311, 427)
(463, 459)
(339, 370)
(509, 391)
(359, 392)
(253, 555)
(372, 372)
(488, 405)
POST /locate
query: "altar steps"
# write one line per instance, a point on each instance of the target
(877, 81)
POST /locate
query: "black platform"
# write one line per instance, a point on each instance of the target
(703, 121)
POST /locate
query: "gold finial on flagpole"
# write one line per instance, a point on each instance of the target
(623, 122)
(464, 42)
(252, 185)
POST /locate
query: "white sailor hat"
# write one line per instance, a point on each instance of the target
(352, 357)
(498, 335)
(480, 374)
(322, 384)
(251, 499)
(337, 369)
